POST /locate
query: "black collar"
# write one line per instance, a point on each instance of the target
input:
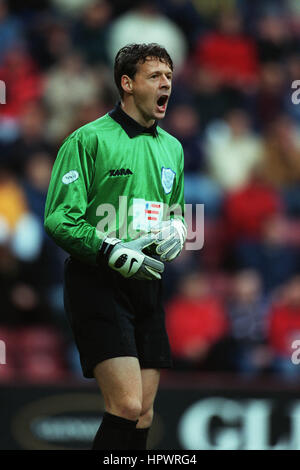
(130, 126)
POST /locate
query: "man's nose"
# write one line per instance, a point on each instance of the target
(165, 82)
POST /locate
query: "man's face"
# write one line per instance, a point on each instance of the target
(151, 89)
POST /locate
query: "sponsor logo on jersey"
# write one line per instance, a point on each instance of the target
(152, 210)
(70, 177)
(121, 172)
(167, 179)
(146, 214)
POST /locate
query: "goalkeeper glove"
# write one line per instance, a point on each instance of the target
(170, 238)
(128, 259)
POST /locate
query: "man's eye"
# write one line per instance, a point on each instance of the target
(153, 76)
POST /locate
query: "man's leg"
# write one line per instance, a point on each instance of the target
(120, 382)
(128, 393)
(150, 381)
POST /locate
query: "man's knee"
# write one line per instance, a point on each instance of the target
(127, 407)
(146, 418)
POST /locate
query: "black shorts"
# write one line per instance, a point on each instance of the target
(112, 317)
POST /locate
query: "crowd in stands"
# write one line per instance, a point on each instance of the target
(232, 306)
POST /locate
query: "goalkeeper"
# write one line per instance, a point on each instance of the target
(112, 281)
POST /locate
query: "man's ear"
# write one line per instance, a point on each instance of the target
(126, 84)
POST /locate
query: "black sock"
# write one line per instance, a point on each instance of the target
(139, 438)
(114, 433)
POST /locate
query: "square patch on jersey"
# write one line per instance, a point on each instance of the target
(146, 214)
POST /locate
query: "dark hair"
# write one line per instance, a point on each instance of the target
(129, 56)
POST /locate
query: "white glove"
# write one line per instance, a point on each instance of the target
(128, 259)
(170, 238)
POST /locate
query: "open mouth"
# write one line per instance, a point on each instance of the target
(162, 102)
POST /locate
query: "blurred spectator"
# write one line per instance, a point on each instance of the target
(13, 203)
(247, 310)
(72, 8)
(268, 101)
(202, 189)
(195, 321)
(11, 31)
(19, 228)
(199, 188)
(35, 181)
(90, 33)
(23, 82)
(183, 123)
(37, 174)
(91, 111)
(229, 52)
(31, 138)
(246, 209)
(284, 328)
(280, 166)
(49, 39)
(215, 245)
(246, 307)
(68, 85)
(22, 298)
(186, 16)
(233, 151)
(187, 262)
(209, 10)
(275, 42)
(211, 100)
(272, 256)
(21, 236)
(146, 24)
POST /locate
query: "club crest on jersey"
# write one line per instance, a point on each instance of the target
(167, 179)
(70, 177)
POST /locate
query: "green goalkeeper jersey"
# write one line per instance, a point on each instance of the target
(112, 177)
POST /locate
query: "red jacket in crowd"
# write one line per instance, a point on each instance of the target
(189, 321)
(284, 328)
(233, 58)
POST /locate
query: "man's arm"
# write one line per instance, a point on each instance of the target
(67, 200)
(177, 198)
(171, 235)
